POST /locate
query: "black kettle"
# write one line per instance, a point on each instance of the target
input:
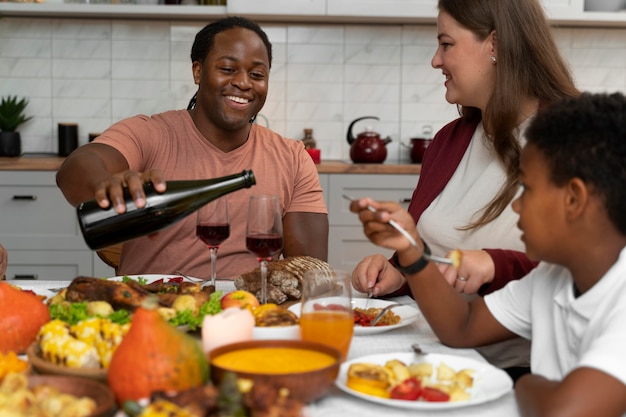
(368, 147)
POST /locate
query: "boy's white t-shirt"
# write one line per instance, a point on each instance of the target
(567, 332)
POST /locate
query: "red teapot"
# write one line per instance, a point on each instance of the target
(368, 147)
(418, 145)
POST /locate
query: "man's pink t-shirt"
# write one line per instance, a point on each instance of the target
(171, 143)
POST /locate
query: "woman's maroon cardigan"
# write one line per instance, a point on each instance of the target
(441, 159)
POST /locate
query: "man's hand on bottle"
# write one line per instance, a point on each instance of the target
(111, 190)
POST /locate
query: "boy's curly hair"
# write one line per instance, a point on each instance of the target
(585, 137)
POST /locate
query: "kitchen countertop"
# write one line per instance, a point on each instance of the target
(36, 162)
(51, 162)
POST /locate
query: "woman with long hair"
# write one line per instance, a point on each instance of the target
(500, 63)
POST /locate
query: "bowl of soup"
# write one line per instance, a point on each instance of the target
(306, 369)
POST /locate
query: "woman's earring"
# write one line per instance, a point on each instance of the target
(493, 59)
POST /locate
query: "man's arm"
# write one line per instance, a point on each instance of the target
(306, 234)
(584, 392)
(85, 168)
(100, 171)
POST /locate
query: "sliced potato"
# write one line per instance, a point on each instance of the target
(186, 302)
(445, 373)
(464, 378)
(421, 370)
(399, 370)
(99, 308)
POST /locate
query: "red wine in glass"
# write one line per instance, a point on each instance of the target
(213, 234)
(264, 246)
(213, 228)
(264, 233)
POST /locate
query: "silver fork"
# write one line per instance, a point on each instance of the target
(382, 313)
(395, 225)
(200, 281)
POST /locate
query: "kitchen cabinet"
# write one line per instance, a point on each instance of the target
(40, 231)
(277, 7)
(417, 9)
(347, 245)
(561, 12)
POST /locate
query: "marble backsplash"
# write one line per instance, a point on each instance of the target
(95, 72)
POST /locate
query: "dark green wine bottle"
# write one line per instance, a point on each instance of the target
(105, 227)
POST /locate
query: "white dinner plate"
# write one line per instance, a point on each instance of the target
(490, 382)
(407, 315)
(220, 285)
(148, 277)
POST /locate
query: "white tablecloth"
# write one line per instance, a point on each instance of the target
(339, 404)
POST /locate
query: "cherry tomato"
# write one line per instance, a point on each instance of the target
(434, 395)
(410, 389)
(176, 279)
(361, 318)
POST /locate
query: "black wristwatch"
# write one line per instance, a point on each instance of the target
(416, 266)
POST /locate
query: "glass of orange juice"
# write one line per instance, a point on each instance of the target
(326, 315)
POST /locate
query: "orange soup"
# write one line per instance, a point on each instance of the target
(273, 360)
(332, 328)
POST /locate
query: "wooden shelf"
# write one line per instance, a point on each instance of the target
(114, 11)
(564, 17)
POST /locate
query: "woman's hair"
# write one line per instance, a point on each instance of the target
(584, 138)
(529, 64)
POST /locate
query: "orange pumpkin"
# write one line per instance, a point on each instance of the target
(155, 356)
(22, 313)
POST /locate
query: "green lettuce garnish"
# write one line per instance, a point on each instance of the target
(187, 318)
(72, 313)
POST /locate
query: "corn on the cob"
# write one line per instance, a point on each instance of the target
(54, 328)
(93, 336)
(68, 351)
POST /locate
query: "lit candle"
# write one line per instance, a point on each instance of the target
(230, 326)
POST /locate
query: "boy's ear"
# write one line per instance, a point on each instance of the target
(576, 198)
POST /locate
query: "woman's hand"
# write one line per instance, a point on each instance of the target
(375, 273)
(111, 190)
(476, 269)
(376, 223)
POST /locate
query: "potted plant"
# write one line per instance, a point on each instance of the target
(11, 117)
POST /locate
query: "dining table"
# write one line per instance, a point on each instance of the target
(337, 403)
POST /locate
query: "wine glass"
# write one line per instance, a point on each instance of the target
(213, 228)
(326, 314)
(264, 233)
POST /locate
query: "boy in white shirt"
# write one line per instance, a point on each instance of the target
(573, 305)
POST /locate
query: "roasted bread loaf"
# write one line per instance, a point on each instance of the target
(284, 278)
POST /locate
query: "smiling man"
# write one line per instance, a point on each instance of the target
(231, 61)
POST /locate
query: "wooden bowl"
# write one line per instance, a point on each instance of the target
(80, 387)
(304, 385)
(43, 366)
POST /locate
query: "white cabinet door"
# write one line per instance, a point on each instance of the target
(39, 229)
(383, 8)
(49, 264)
(324, 180)
(347, 245)
(277, 7)
(385, 187)
(35, 213)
